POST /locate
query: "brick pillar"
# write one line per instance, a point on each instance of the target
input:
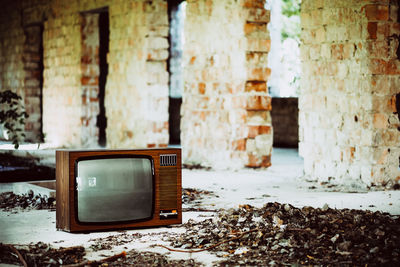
(348, 116)
(225, 110)
(258, 102)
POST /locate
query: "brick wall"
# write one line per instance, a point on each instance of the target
(225, 109)
(11, 43)
(348, 119)
(12, 72)
(136, 95)
(21, 67)
(285, 121)
(136, 92)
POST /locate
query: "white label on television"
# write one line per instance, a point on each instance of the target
(92, 181)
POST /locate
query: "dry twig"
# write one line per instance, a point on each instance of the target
(21, 258)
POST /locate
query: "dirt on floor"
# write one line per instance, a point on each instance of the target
(280, 234)
(13, 202)
(276, 234)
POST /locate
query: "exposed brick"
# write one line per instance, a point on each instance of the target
(239, 102)
(258, 102)
(259, 162)
(253, 162)
(380, 121)
(256, 58)
(377, 12)
(253, 3)
(392, 104)
(258, 130)
(89, 80)
(158, 54)
(202, 88)
(259, 45)
(258, 15)
(259, 74)
(265, 161)
(239, 145)
(256, 86)
(255, 29)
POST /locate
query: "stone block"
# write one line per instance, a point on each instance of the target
(157, 55)
(239, 144)
(257, 15)
(256, 58)
(256, 86)
(258, 74)
(258, 45)
(258, 102)
(255, 161)
(256, 30)
(376, 12)
(157, 42)
(254, 131)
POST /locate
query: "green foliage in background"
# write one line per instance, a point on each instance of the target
(291, 21)
(291, 8)
(12, 116)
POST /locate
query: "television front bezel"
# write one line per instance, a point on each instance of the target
(66, 219)
(115, 156)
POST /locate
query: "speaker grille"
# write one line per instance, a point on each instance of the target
(168, 160)
(168, 188)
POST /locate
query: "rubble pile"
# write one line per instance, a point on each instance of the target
(282, 234)
(10, 201)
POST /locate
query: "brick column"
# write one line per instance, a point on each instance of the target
(348, 116)
(225, 109)
(258, 102)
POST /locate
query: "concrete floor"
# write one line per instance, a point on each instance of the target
(280, 183)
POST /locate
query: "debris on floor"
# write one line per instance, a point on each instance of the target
(10, 201)
(276, 234)
(282, 234)
(192, 196)
(191, 199)
(41, 254)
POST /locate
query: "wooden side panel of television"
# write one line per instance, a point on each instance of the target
(167, 195)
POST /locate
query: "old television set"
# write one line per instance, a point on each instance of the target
(117, 189)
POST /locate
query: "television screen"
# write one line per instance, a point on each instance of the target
(114, 189)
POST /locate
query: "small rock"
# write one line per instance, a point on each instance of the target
(334, 238)
(287, 207)
(325, 207)
(374, 250)
(275, 247)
